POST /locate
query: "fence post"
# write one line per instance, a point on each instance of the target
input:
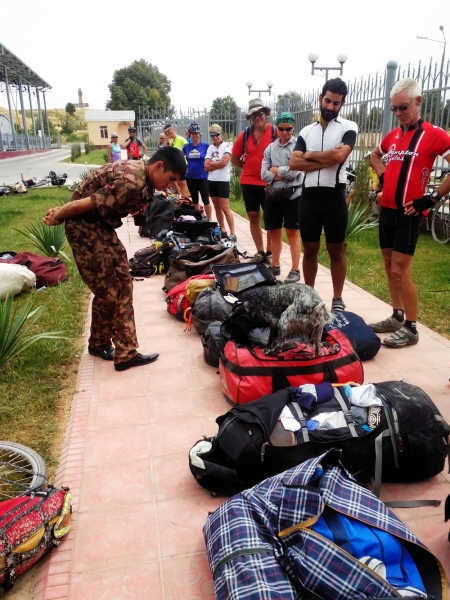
(238, 121)
(391, 69)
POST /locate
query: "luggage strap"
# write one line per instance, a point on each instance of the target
(298, 414)
(340, 396)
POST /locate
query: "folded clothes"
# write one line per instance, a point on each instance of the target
(309, 395)
(365, 395)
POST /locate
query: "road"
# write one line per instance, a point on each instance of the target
(38, 165)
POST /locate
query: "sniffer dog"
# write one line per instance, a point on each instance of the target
(294, 311)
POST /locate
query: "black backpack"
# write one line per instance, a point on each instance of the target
(158, 215)
(407, 440)
(152, 260)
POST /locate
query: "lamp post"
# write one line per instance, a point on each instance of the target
(267, 91)
(341, 58)
(441, 72)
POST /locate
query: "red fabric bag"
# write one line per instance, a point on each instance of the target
(29, 527)
(247, 373)
(49, 271)
(176, 299)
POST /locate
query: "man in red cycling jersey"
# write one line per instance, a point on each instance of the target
(408, 152)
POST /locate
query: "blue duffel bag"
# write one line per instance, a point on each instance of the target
(364, 340)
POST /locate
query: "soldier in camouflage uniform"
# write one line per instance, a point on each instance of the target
(95, 210)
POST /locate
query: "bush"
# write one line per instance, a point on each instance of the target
(235, 186)
(75, 151)
(49, 240)
(106, 156)
(87, 148)
(360, 215)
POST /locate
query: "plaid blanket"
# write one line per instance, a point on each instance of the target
(260, 545)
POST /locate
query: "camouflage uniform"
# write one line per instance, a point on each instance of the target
(117, 189)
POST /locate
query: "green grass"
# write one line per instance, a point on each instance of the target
(430, 272)
(94, 157)
(31, 383)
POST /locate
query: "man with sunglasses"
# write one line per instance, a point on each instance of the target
(403, 163)
(322, 152)
(247, 153)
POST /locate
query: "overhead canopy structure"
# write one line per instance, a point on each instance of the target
(18, 71)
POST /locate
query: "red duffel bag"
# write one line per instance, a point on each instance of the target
(48, 270)
(248, 373)
(177, 302)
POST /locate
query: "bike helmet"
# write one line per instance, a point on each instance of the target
(194, 128)
(131, 129)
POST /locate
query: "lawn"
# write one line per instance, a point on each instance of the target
(31, 386)
(430, 270)
(94, 157)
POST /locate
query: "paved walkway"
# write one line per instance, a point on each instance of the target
(138, 512)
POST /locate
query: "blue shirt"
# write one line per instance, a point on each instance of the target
(195, 156)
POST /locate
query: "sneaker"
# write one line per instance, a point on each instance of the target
(294, 275)
(275, 270)
(389, 325)
(232, 238)
(223, 235)
(337, 305)
(105, 352)
(137, 361)
(259, 257)
(268, 257)
(402, 337)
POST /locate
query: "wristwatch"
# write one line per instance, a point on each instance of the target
(435, 196)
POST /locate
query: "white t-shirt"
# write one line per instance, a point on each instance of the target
(215, 153)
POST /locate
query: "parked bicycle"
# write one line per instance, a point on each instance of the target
(22, 470)
(438, 219)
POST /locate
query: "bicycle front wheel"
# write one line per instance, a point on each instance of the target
(22, 470)
(440, 221)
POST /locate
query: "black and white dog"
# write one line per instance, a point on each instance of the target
(294, 311)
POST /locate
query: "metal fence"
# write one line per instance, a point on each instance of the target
(367, 103)
(19, 141)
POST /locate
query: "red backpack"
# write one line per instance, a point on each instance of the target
(177, 303)
(49, 271)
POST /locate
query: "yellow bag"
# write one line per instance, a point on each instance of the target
(196, 286)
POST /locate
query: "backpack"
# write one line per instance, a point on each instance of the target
(213, 343)
(365, 341)
(197, 259)
(29, 527)
(177, 299)
(204, 232)
(240, 277)
(49, 271)
(314, 532)
(247, 132)
(158, 215)
(249, 373)
(404, 439)
(151, 260)
(209, 306)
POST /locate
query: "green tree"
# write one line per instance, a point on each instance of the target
(70, 109)
(66, 125)
(139, 84)
(223, 112)
(301, 107)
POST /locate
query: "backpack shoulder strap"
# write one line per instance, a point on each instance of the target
(246, 136)
(274, 133)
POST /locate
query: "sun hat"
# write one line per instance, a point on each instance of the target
(215, 128)
(285, 117)
(114, 134)
(255, 105)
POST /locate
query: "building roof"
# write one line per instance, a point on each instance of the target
(108, 115)
(18, 71)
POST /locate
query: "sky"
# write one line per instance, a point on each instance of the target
(212, 49)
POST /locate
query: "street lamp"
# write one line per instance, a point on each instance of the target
(267, 91)
(441, 72)
(341, 58)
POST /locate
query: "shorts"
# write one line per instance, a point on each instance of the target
(219, 189)
(253, 197)
(198, 185)
(284, 213)
(398, 231)
(323, 208)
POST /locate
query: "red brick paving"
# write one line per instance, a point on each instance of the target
(138, 512)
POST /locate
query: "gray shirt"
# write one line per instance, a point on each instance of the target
(276, 155)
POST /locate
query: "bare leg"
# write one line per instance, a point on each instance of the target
(402, 284)
(225, 205)
(208, 211)
(256, 231)
(293, 237)
(276, 246)
(310, 252)
(338, 267)
(219, 213)
(396, 294)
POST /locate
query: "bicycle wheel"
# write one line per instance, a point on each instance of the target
(440, 221)
(21, 470)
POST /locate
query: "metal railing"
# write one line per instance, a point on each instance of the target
(367, 103)
(20, 141)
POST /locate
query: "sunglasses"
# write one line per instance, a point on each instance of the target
(260, 113)
(285, 128)
(400, 107)
(214, 135)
